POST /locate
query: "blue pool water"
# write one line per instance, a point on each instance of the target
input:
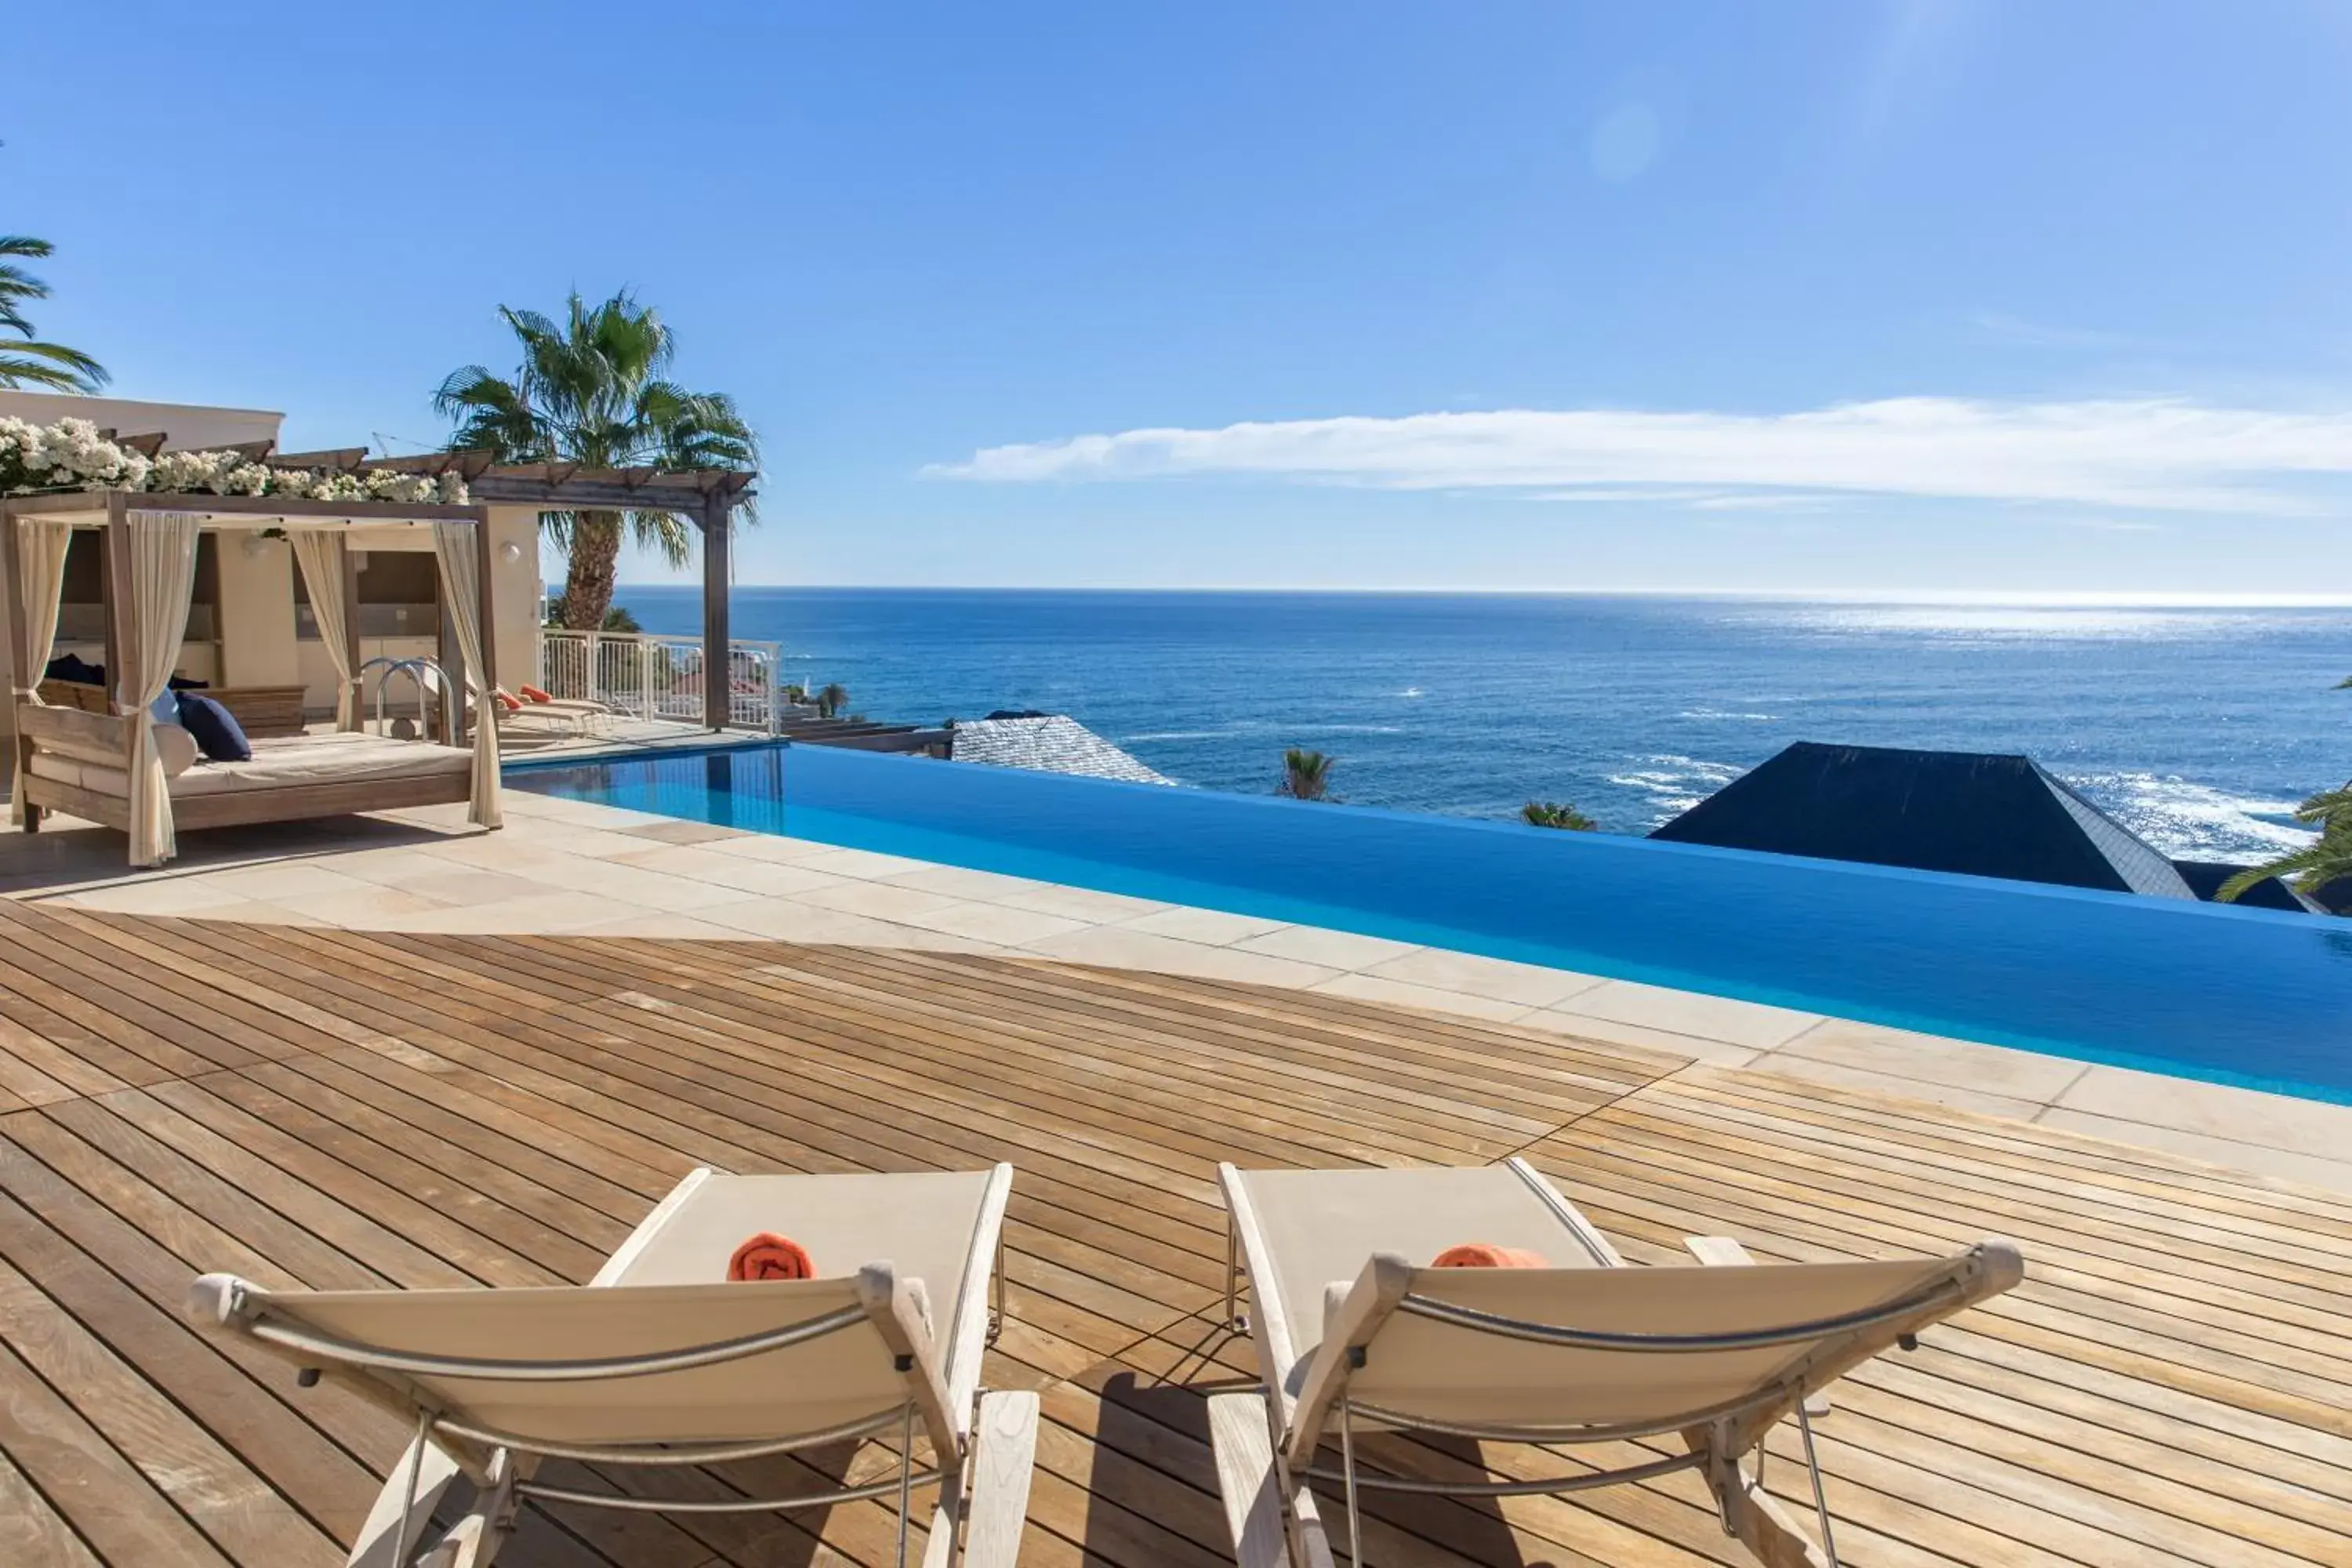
(2244, 997)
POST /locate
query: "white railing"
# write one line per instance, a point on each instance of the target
(660, 679)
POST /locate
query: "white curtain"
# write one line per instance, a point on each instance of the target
(461, 601)
(320, 555)
(42, 546)
(163, 546)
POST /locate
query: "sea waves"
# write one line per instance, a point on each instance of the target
(2191, 821)
(1671, 785)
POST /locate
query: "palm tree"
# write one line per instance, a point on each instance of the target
(2321, 861)
(2316, 864)
(830, 698)
(1306, 775)
(594, 391)
(32, 363)
(1556, 814)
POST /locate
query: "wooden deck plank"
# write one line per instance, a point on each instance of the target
(331, 1107)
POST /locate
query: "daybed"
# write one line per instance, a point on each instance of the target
(127, 770)
(77, 766)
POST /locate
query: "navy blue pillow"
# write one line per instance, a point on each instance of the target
(218, 734)
(73, 668)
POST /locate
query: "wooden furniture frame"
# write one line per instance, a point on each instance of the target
(109, 738)
(262, 711)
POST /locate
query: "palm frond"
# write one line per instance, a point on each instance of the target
(52, 365)
(2309, 867)
(666, 532)
(33, 363)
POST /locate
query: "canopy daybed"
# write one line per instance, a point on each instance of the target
(124, 770)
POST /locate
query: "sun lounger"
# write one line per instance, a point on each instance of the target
(661, 1361)
(1353, 1335)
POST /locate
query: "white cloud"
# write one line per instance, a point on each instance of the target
(2152, 453)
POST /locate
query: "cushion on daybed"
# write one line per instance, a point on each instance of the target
(218, 734)
(340, 758)
(176, 747)
(74, 667)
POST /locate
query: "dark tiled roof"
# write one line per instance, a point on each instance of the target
(1966, 812)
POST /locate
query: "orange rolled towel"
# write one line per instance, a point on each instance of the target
(768, 1255)
(508, 701)
(1486, 1254)
(533, 694)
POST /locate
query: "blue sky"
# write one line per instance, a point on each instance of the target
(1917, 295)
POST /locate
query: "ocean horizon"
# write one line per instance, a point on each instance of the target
(2198, 724)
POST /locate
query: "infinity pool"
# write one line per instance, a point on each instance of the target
(2244, 997)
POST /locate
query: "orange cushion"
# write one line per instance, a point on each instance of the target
(1486, 1254)
(507, 702)
(768, 1255)
(533, 694)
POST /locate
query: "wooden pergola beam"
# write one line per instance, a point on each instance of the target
(332, 458)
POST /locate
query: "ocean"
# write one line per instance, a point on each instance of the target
(2199, 728)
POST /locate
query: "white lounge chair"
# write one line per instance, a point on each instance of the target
(1354, 1335)
(660, 1362)
(567, 715)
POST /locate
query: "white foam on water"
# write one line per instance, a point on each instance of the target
(1674, 783)
(1410, 692)
(2191, 821)
(1717, 713)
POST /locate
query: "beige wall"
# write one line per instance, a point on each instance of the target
(184, 425)
(257, 611)
(514, 600)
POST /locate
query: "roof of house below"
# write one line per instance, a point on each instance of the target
(1966, 812)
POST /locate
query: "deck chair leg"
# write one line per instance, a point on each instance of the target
(947, 1519)
(1003, 1455)
(1751, 1517)
(1267, 1529)
(476, 1537)
(379, 1538)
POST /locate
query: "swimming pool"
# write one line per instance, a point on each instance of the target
(2246, 997)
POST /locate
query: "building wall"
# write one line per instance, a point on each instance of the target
(515, 593)
(184, 425)
(257, 612)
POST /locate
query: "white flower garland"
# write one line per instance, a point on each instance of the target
(70, 455)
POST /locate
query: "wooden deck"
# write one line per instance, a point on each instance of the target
(2173, 1384)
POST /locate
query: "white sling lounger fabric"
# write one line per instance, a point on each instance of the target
(1356, 1331)
(660, 1361)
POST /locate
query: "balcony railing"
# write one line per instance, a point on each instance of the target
(660, 679)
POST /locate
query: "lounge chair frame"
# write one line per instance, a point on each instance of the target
(1718, 1436)
(500, 1464)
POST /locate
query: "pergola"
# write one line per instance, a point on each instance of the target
(706, 497)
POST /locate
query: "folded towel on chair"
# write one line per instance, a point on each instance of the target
(1486, 1254)
(533, 694)
(768, 1255)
